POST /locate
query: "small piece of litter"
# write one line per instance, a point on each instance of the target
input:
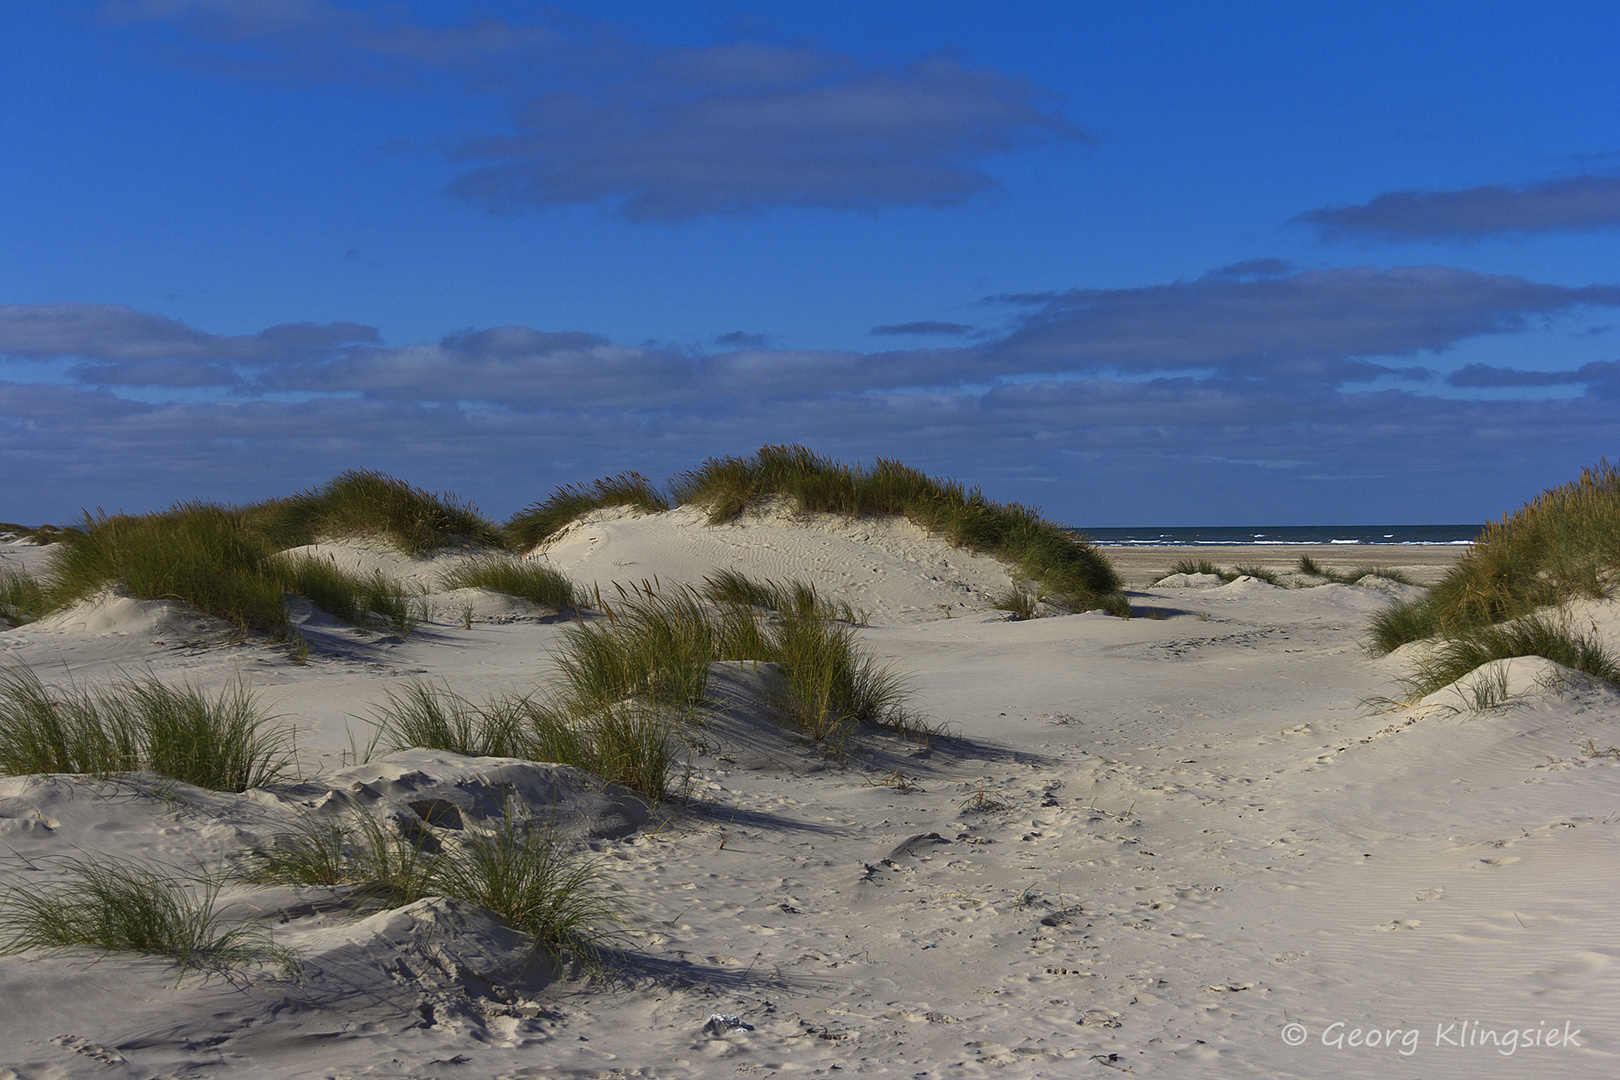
(720, 1023)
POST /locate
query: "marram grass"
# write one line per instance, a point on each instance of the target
(526, 580)
(658, 647)
(22, 598)
(626, 742)
(1454, 657)
(526, 874)
(436, 718)
(131, 906)
(1494, 603)
(630, 677)
(1066, 567)
(1198, 566)
(533, 525)
(535, 882)
(377, 863)
(1021, 602)
(223, 742)
(794, 597)
(1562, 545)
(356, 599)
(194, 553)
(364, 503)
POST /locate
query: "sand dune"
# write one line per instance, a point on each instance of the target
(1151, 845)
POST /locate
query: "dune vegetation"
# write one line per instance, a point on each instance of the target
(22, 598)
(540, 521)
(364, 503)
(1067, 569)
(224, 743)
(198, 554)
(1564, 545)
(1307, 567)
(523, 872)
(629, 680)
(132, 906)
(527, 580)
(227, 562)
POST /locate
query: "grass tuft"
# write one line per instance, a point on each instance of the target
(38, 536)
(221, 743)
(1562, 545)
(221, 560)
(131, 907)
(1199, 566)
(535, 882)
(1312, 568)
(649, 645)
(1020, 601)
(1388, 573)
(1533, 635)
(1259, 572)
(830, 687)
(194, 553)
(795, 597)
(658, 648)
(529, 527)
(378, 864)
(530, 581)
(22, 598)
(365, 503)
(354, 598)
(436, 718)
(525, 874)
(1402, 624)
(626, 742)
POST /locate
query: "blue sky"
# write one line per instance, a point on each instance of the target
(1135, 263)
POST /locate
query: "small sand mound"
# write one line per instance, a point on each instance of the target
(115, 613)
(1189, 581)
(449, 791)
(461, 963)
(894, 570)
(1521, 680)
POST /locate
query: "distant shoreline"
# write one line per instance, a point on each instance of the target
(1141, 564)
(1262, 536)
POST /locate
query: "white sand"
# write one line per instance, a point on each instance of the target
(1154, 844)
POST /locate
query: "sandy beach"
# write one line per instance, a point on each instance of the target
(1205, 842)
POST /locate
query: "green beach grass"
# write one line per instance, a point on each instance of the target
(540, 521)
(1563, 545)
(526, 580)
(523, 872)
(364, 503)
(132, 906)
(227, 562)
(224, 742)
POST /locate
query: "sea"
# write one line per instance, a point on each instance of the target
(1258, 535)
